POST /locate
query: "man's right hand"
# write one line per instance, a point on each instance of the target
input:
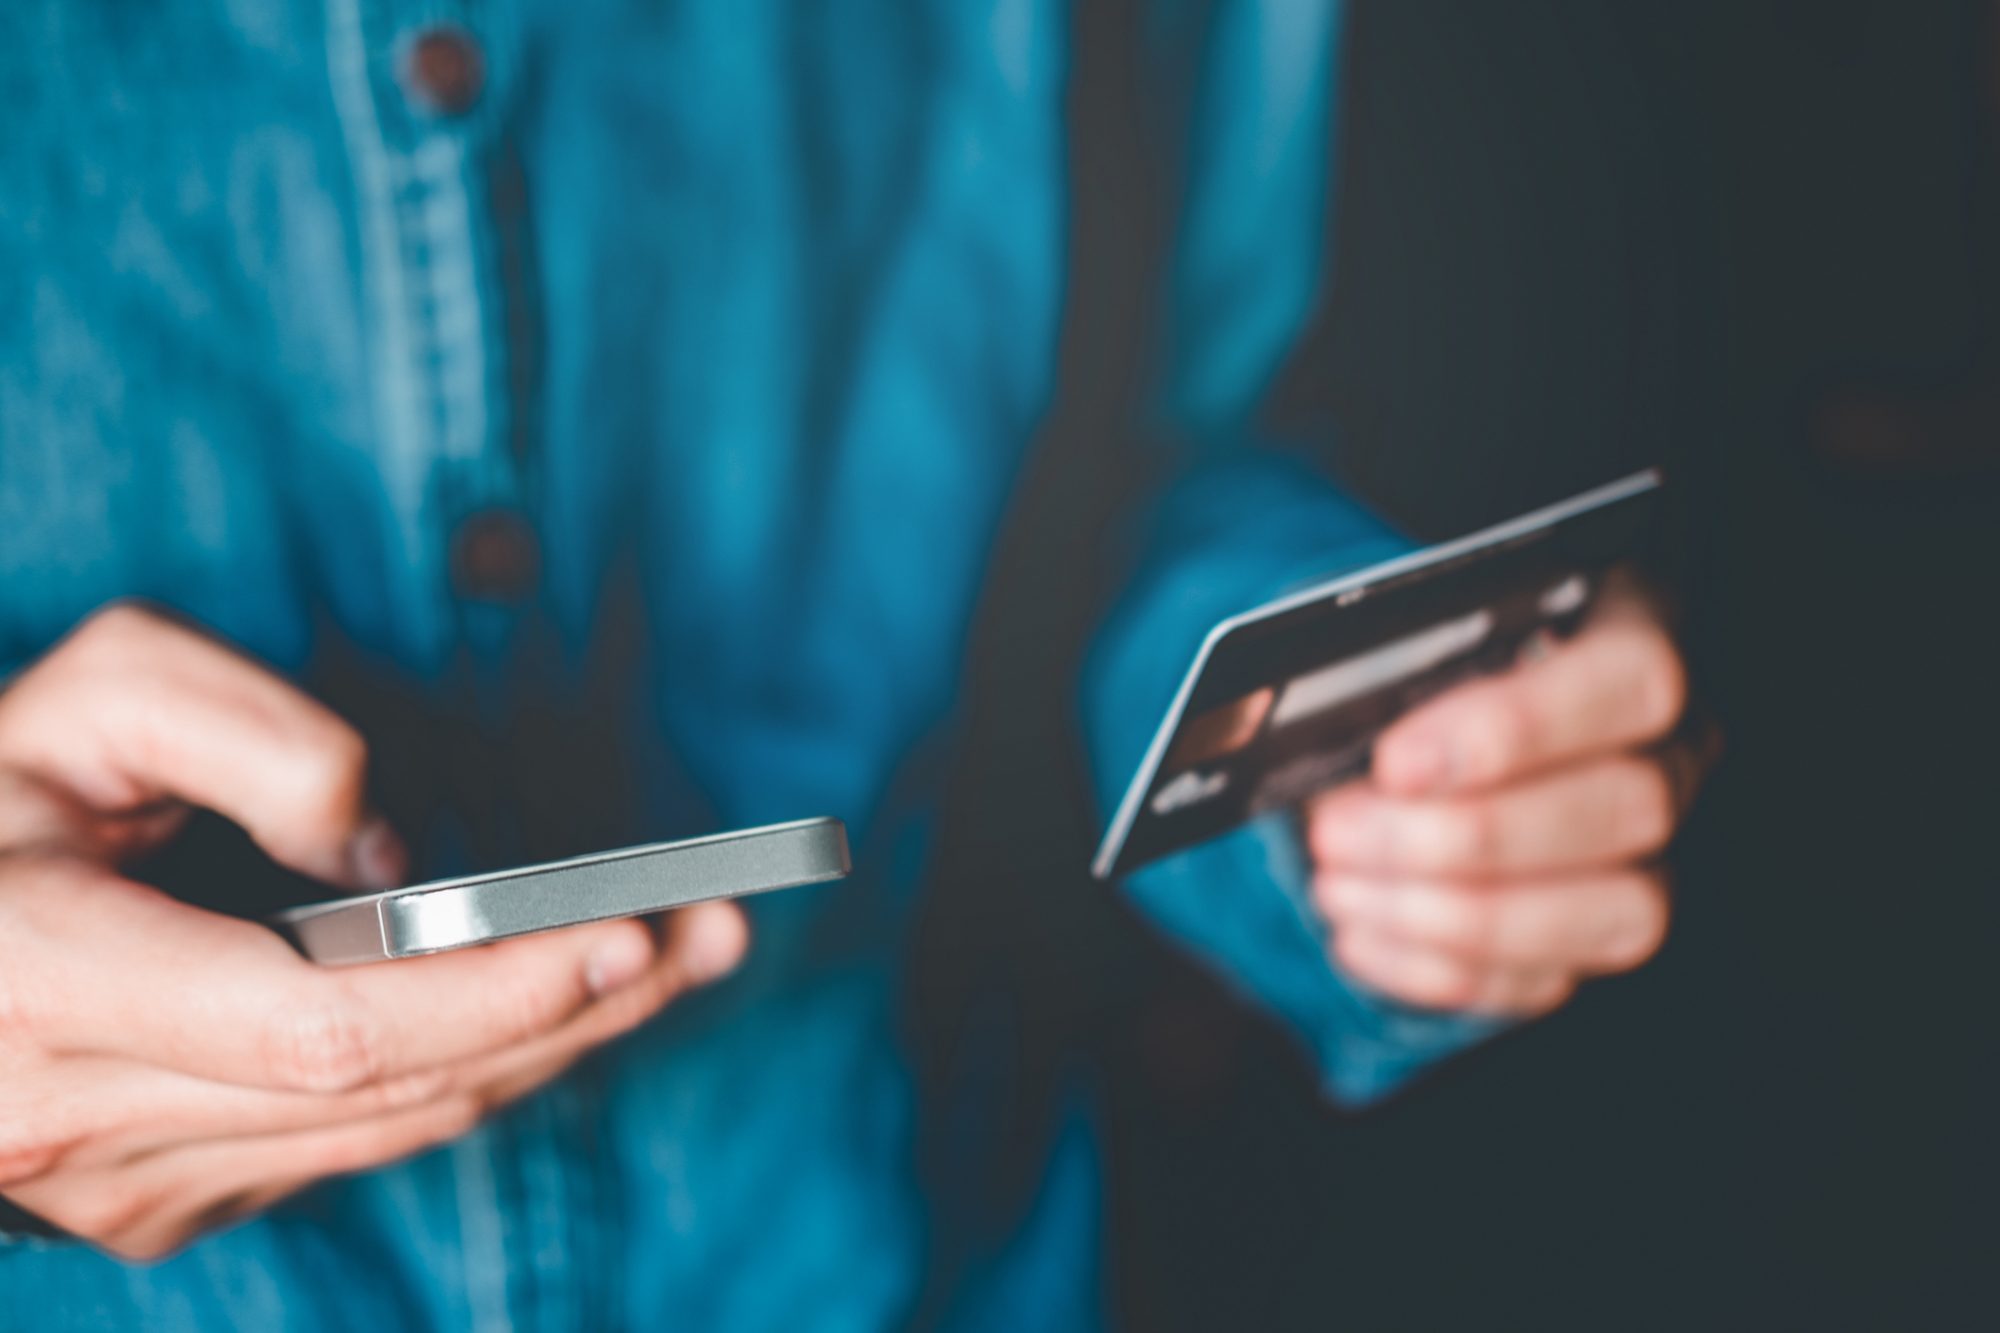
(165, 1070)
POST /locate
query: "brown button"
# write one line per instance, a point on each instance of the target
(495, 557)
(445, 70)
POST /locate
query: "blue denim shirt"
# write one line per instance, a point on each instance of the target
(753, 305)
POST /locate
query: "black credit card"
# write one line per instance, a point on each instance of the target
(1286, 699)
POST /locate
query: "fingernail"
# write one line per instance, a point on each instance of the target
(376, 856)
(618, 961)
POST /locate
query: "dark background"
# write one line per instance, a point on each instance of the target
(1755, 243)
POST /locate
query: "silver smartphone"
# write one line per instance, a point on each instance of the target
(456, 913)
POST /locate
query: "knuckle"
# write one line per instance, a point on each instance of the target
(113, 638)
(1469, 835)
(325, 1045)
(1461, 920)
(119, 622)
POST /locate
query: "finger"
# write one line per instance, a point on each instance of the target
(35, 814)
(1599, 813)
(628, 970)
(1589, 923)
(150, 1209)
(117, 969)
(133, 709)
(100, 1111)
(1434, 979)
(146, 1207)
(1619, 683)
(701, 944)
(93, 1112)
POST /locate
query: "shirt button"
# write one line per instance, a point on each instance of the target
(495, 557)
(444, 70)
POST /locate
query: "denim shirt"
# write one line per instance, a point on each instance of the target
(402, 332)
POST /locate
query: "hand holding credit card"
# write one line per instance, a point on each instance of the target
(1286, 699)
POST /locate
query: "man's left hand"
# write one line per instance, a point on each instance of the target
(1504, 846)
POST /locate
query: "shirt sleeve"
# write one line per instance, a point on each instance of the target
(1241, 520)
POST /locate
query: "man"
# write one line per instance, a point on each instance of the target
(664, 373)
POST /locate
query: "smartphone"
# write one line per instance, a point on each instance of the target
(459, 913)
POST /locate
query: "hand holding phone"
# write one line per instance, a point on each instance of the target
(170, 1069)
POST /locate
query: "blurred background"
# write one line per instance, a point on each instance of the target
(1753, 242)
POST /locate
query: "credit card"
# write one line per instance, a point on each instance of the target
(1286, 699)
